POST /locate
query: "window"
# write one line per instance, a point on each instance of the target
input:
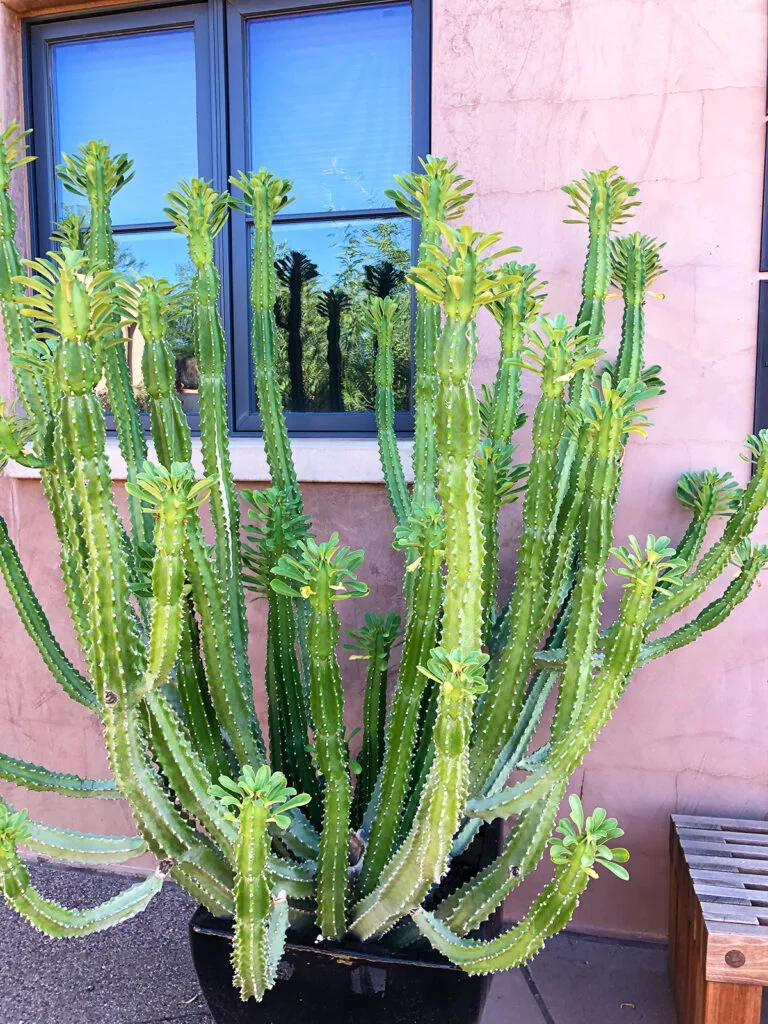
(333, 96)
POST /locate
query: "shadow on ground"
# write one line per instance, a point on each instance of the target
(141, 973)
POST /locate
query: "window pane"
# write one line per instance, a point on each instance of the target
(137, 93)
(330, 103)
(326, 273)
(159, 253)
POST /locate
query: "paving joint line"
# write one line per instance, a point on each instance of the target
(538, 998)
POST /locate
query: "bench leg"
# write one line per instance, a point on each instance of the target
(729, 1004)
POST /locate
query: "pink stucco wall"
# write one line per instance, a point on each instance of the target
(525, 95)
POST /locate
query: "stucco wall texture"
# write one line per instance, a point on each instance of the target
(524, 95)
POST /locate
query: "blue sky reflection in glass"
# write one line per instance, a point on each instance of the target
(330, 103)
(138, 93)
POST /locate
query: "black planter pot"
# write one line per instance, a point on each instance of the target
(348, 983)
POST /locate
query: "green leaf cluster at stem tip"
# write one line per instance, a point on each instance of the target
(265, 788)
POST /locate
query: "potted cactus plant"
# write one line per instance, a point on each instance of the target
(343, 884)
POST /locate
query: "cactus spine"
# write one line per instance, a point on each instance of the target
(160, 613)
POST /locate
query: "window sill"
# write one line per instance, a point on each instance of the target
(321, 460)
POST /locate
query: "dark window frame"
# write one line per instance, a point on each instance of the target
(220, 48)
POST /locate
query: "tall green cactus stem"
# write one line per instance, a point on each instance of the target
(31, 365)
(199, 213)
(609, 417)
(422, 858)
(433, 197)
(500, 419)
(706, 496)
(461, 281)
(381, 317)
(221, 660)
(116, 660)
(574, 853)
(602, 200)
(81, 311)
(556, 353)
(261, 922)
(264, 195)
(276, 531)
(635, 265)
(172, 495)
(170, 428)
(424, 533)
(195, 699)
(95, 175)
(373, 643)
(323, 574)
(514, 314)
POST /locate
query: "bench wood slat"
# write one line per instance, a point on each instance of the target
(726, 876)
(723, 837)
(703, 822)
(722, 894)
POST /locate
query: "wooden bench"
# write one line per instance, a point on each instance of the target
(718, 918)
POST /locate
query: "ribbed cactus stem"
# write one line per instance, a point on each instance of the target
(264, 195)
(38, 626)
(602, 200)
(221, 660)
(461, 281)
(434, 197)
(18, 330)
(61, 922)
(278, 528)
(42, 780)
(557, 353)
(373, 643)
(172, 495)
(610, 418)
(422, 858)
(751, 560)
(261, 920)
(382, 316)
(82, 847)
(425, 534)
(199, 214)
(94, 174)
(195, 699)
(636, 264)
(170, 428)
(325, 573)
(549, 914)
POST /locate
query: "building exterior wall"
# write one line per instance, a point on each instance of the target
(524, 96)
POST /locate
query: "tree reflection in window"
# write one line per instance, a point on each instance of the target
(327, 358)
